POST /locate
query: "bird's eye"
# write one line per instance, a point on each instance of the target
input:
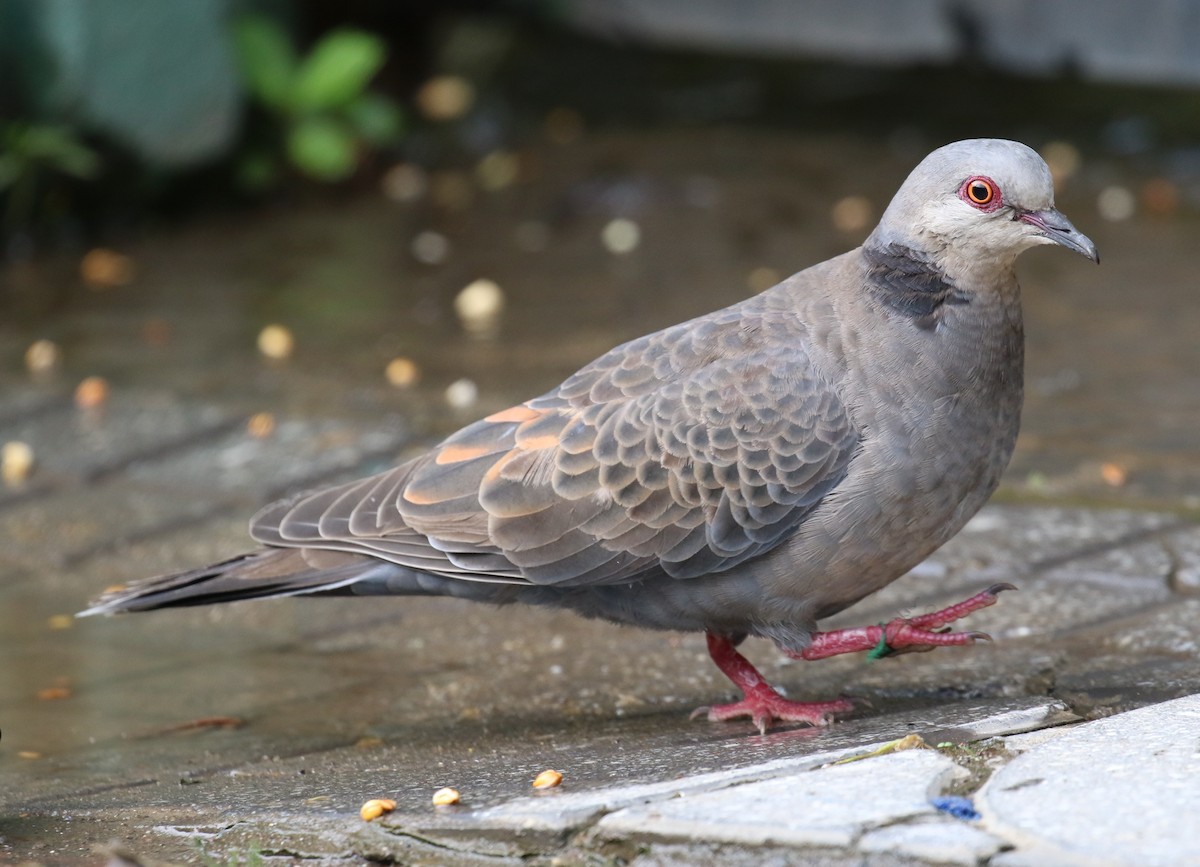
(979, 191)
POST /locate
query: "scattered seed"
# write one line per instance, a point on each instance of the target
(29, 754)
(462, 393)
(261, 425)
(402, 372)
(446, 796)
(405, 182)
(1116, 204)
(1114, 475)
(105, 269)
(445, 97)
(42, 356)
(375, 808)
(497, 170)
(53, 693)
(547, 779)
(430, 248)
(621, 236)
(479, 306)
(276, 342)
(92, 393)
(60, 621)
(16, 462)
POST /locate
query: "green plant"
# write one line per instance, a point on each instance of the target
(320, 101)
(33, 155)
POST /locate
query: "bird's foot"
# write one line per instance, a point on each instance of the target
(905, 634)
(764, 706)
(761, 703)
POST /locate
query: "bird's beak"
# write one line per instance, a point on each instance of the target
(1053, 225)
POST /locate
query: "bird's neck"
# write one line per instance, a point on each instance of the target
(924, 283)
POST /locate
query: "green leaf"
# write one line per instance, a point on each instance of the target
(322, 148)
(337, 70)
(267, 59)
(10, 170)
(376, 119)
(56, 147)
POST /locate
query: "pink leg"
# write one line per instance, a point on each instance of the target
(905, 634)
(762, 703)
(902, 635)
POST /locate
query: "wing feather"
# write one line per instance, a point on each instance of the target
(685, 452)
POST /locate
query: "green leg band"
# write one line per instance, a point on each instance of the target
(880, 650)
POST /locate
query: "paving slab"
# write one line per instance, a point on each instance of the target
(938, 841)
(1119, 791)
(829, 807)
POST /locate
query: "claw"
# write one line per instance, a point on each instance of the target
(1000, 588)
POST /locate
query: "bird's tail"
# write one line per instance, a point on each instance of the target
(262, 574)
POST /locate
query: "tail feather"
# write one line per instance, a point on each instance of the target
(262, 574)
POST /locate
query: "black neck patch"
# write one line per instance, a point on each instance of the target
(909, 283)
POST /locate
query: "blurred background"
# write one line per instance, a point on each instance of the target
(252, 247)
(175, 178)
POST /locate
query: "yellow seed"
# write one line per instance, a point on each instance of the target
(446, 796)
(103, 269)
(60, 621)
(445, 97)
(261, 425)
(42, 356)
(547, 780)
(16, 462)
(376, 807)
(462, 393)
(1114, 475)
(621, 236)
(29, 754)
(405, 182)
(276, 342)
(402, 372)
(53, 693)
(479, 305)
(497, 170)
(91, 393)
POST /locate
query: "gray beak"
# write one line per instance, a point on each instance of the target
(1053, 225)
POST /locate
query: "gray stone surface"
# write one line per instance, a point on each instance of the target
(940, 841)
(827, 807)
(327, 703)
(1119, 791)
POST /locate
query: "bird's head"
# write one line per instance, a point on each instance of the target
(980, 200)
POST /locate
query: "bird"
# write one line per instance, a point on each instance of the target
(749, 472)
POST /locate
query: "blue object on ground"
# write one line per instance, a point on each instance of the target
(956, 806)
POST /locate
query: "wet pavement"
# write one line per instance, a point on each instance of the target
(212, 733)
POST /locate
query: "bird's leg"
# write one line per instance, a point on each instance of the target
(904, 634)
(761, 702)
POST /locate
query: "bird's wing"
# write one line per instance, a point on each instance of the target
(692, 449)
